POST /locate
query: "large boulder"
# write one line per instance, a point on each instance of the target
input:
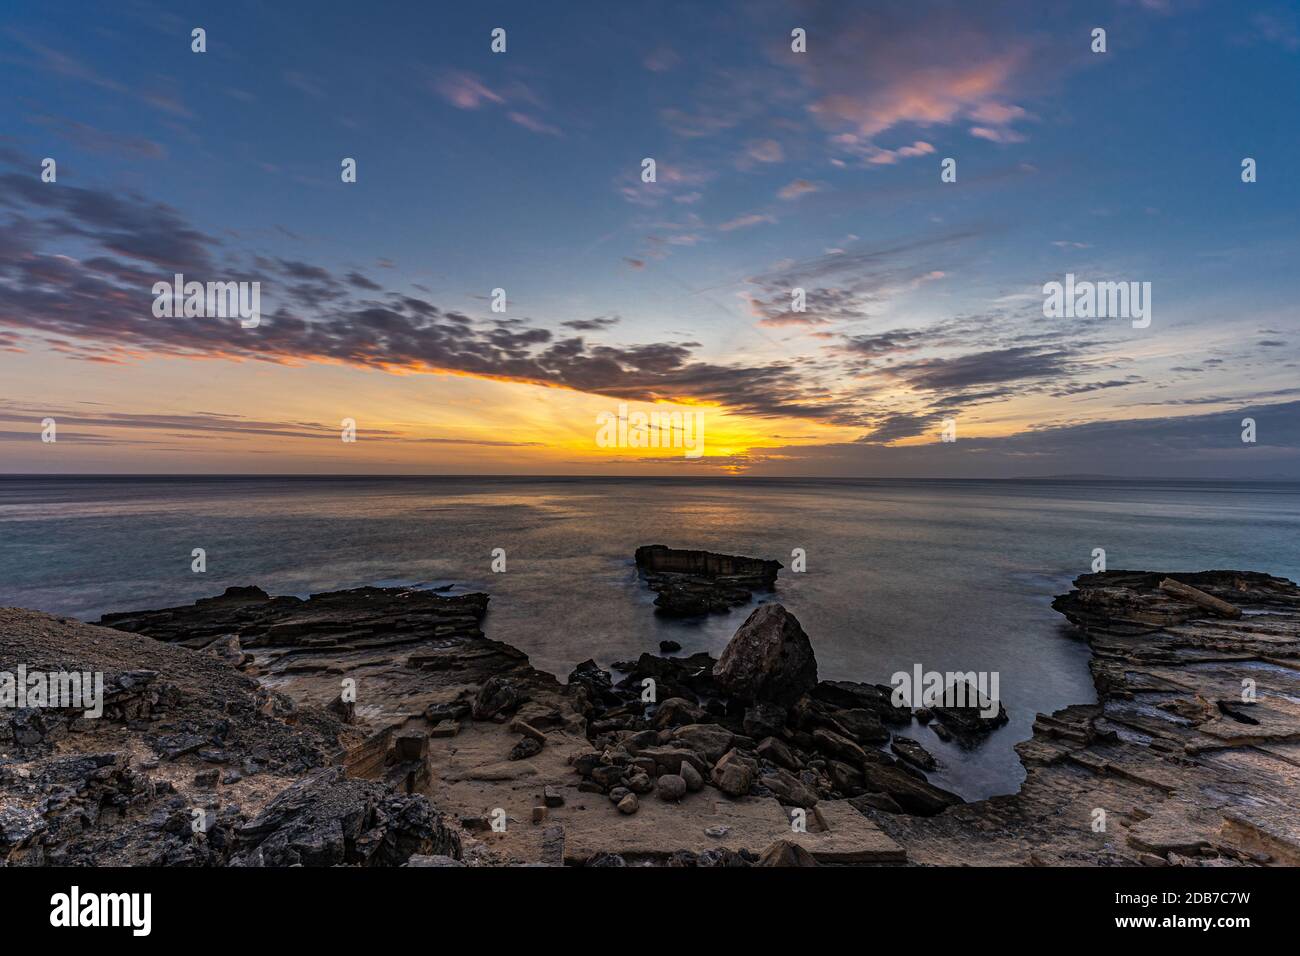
(769, 658)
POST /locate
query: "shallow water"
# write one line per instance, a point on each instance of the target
(953, 575)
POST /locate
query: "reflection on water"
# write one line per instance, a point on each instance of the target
(953, 575)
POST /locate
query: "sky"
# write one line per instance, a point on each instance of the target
(775, 170)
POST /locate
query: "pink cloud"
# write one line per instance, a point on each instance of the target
(466, 91)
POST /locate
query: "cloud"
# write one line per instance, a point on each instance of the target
(797, 188)
(746, 221)
(465, 91)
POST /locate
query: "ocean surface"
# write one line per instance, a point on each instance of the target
(952, 575)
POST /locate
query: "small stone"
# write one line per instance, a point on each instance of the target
(629, 805)
(923, 714)
(717, 832)
(786, 853)
(527, 747)
(552, 797)
(694, 779)
(671, 787)
(207, 778)
(669, 647)
(641, 783)
(618, 793)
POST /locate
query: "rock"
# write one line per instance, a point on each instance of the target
(787, 788)
(909, 750)
(671, 787)
(923, 714)
(670, 759)
(832, 744)
(629, 805)
(877, 801)
(765, 719)
(913, 795)
(717, 832)
(498, 695)
(540, 813)
(669, 647)
(966, 712)
(710, 740)
(641, 783)
(207, 778)
(694, 583)
(846, 779)
(769, 658)
(552, 797)
(876, 698)
(618, 793)
(553, 846)
(733, 774)
(694, 779)
(862, 725)
(676, 711)
(774, 750)
(326, 819)
(527, 747)
(786, 853)
(606, 859)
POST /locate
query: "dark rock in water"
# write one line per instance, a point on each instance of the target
(669, 647)
(693, 583)
(598, 682)
(909, 750)
(326, 819)
(786, 853)
(967, 713)
(769, 658)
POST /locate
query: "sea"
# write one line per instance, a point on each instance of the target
(951, 575)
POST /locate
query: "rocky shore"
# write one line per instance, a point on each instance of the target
(382, 727)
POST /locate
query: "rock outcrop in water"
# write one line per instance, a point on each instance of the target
(694, 583)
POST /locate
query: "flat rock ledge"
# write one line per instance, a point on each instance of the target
(1191, 755)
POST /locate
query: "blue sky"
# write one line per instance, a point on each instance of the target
(776, 169)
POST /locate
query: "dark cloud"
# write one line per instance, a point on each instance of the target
(984, 368)
(99, 308)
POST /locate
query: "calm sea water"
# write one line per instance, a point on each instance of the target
(954, 575)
